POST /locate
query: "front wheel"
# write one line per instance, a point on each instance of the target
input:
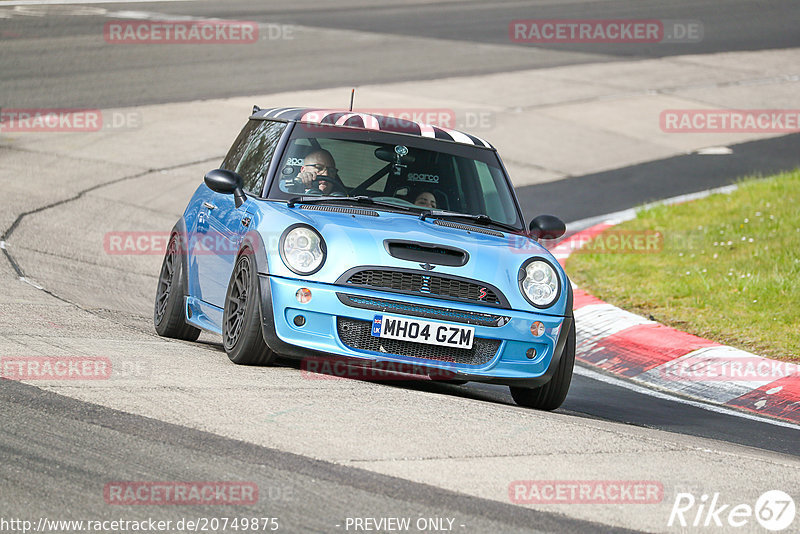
(552, 394)
(241, 320)
(168, 313)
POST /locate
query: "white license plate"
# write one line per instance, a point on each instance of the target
(407, 329)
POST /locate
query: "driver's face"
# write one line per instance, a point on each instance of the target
(316, 166)
(316, 161)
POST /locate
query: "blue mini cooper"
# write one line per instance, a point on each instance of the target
(351, 236)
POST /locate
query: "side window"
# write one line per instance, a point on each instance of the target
(240, 145)
(253, 163)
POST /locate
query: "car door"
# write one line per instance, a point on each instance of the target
(221, 226)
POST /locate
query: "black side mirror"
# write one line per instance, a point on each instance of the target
(547, 227)
(227, 183)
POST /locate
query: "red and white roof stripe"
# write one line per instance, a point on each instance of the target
(371, 121)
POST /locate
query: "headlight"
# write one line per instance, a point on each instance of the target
(539, 283)
(302, 249)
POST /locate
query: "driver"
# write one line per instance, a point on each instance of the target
(319, 172)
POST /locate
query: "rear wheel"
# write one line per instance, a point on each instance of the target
(168, 314)
(552, 394)
(241, 320)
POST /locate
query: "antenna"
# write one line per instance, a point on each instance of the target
(352, 96)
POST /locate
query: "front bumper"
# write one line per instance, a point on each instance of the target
(338, 320)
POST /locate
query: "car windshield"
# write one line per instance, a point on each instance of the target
(415, 174)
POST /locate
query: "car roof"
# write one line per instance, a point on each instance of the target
(370, 121)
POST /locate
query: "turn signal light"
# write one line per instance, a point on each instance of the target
(303, 295)
(537, 329)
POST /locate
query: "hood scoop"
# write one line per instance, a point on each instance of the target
(426, 253)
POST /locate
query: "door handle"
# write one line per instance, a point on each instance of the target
(209, 205)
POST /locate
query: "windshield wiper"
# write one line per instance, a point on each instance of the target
(315, 199)
(480, 219)
(361, 199)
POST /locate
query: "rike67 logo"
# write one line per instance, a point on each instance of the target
(774, 510)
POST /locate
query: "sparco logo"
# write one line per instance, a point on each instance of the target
(430, 178)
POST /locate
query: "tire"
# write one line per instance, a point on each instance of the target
(168, 313)
(241, 320)
(552, 394)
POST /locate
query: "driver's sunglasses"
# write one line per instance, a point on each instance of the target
(321, 168)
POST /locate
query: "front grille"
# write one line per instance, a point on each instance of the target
(429, 285)
(428, 312)
(358, 336)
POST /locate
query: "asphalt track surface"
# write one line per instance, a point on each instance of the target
(68, 65)
(41, 448)
(607, 192)
(63, 67)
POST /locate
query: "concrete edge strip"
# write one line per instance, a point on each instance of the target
(633, 347)
(628, 214)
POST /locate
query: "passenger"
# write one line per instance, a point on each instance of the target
(425, 199)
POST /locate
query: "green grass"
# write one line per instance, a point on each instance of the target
(729, 269)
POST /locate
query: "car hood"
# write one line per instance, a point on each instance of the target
(359, 239)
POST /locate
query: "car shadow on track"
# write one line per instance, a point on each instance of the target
(404, 381)
(491, 393)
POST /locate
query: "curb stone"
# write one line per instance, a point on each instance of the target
(642, 350)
